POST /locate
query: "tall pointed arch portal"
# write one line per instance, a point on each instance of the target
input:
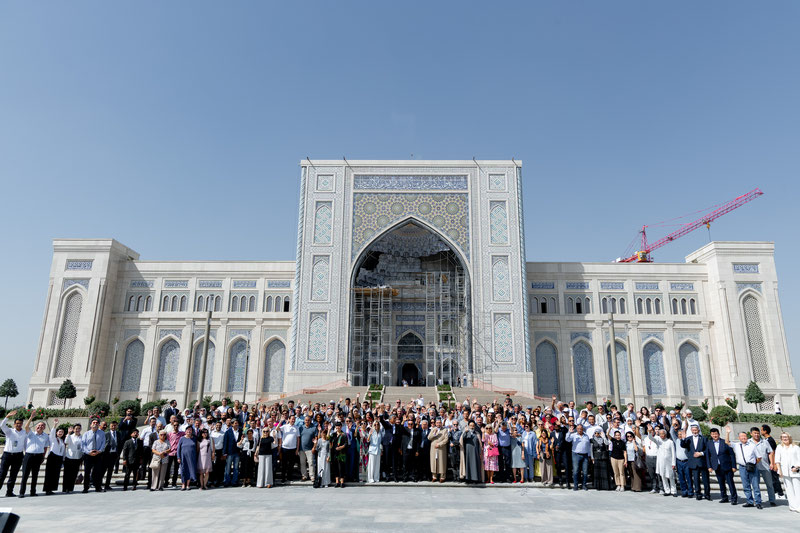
(410, 279)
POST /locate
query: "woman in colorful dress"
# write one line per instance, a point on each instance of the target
(187, 458)
(205, 458)
(490, 453)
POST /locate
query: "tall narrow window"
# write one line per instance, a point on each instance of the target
(183, 303)
(622, 306)
(649, 306)
(243, 304)
(683, 306)
(546, 369)
(252, 304)
(584, 368)
(755, 339)
(578, 306)
(654, 369)
(622, 369)
(236, 368)
(217, 303)
(692, 306)
(69, 335)
(235, 303)
(174, 306)
(131, 304)
(198, 364)
(278, 304)
(674, 306)
(165, 304)
(269, 304)
(168, 366)
(658, 306)
(132, 367)
(273, 366)
(690, 370)
(639, 308)
(148, 304)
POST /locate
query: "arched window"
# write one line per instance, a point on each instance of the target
(583, 364)
(132, 367)
(183, 303)
(236, 366)
(604, 305)
(649, 306)
(209, 300)
(217, 303)
(613, 305)
(553, 308)
(674, 306)
(269, 304)
(174, 303)
(278, 304)
(683, 306)
(148, 303)
(168, 366)
(198, 361)
(286, 304)
(639, 308)
(578, 306)
(139, 302)
(622, 369)
(252, 304)
(131, 306)
(622, 306)
(658, 306)
(654, 369)
(755, 339)
(235, 303)
(69, 335)
(199, 304)
(690, 370)
(165, 304)
(570, 305)
(274, 362)
(692, 306)
(546, 369)
(534, 305)
(243, 304)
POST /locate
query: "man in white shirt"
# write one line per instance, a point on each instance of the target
(651, 460)
(36, 444)
(688, 422)
(290, 444)
(218, 439)
(747, 461)
(12, 454)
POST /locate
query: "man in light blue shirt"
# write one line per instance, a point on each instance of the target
(93, 443)
(581, 446)
(766, 461)
(504, 444)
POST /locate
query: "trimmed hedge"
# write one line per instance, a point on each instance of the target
(124, 405)
(376, 386)
(705, 430)
(149, 405)
(99, 408)
(721, 415)
(50, 413)
(773, 420)
(443, 387)
(698, 413)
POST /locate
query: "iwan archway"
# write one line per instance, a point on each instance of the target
(410, 308)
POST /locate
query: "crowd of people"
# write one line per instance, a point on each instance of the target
(344, 442)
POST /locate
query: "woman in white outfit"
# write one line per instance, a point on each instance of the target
(787, 460)
(374, 464)
(323, 448)
(264, 460)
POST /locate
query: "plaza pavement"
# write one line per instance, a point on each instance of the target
(390, 507)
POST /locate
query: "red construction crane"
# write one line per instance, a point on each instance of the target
(643, 255)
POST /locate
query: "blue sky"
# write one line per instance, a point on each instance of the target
(126, 119)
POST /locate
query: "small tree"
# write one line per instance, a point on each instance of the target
(9, 390)
(66, 391)
(753, 393)
(704, 405)
(732, 402)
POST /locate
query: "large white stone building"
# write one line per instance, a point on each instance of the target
(413, 270)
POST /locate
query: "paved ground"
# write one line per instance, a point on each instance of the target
(395, 507)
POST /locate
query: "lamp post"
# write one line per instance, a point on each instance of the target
(613, 353)
(201, 387)
(246, 368)
(113, 368)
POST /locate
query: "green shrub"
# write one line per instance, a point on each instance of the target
(443, 387)
(215, 404)
(698, 413)
(376, 386)
(773, 420)
(753, 393)
(705, 430)
(155, 403)
(124, 405)
(99, 408)
(88, 400)
(733, 403)
(721, 415)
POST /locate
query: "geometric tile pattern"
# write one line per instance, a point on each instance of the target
(654, 369)
(132, 367)
(416, 183)
(681, 286)
(746, 268)
(273, 366)
(501, 285)
(742, 286)
(546, 369)
(755, 339)
(198, 360)
(654, 334)
(644, 286)
(622, 369)
(168, 366)
(583, 363)
(324, 182)
(497, 182)
(448, 213)
(320, 282)
(69, 335)
(612, 285)
(318, 337)
(236, 368)
(323, 223)
(503, 340)
(690, 370)
(498, 223)
(79, 265)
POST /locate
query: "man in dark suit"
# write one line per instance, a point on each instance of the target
(424, 458)
(171, 410)
(132, 458)
(390, 428)
(111, 453)
(410, 438)
(697, 451)
(127, 424)
(722, 461)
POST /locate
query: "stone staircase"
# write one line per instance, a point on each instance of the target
(407, 394)
(326, 396)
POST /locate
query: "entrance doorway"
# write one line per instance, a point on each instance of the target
(410, 374)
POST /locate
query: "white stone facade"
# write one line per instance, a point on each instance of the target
(121, 327)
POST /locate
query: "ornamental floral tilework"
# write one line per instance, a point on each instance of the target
(323, 223)
(410, 182)
(654, 369)
(498, 223)
(318, 337)
(503, 341)
(497, 182)
(168, 366)
(324, 182)
(584, 367)
(501, 285)
(273, 366)
(320, 281)
(132, 367)
(447, 213)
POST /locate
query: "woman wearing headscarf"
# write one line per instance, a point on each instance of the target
(187, 458)
(601, 461)
(472, 454)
